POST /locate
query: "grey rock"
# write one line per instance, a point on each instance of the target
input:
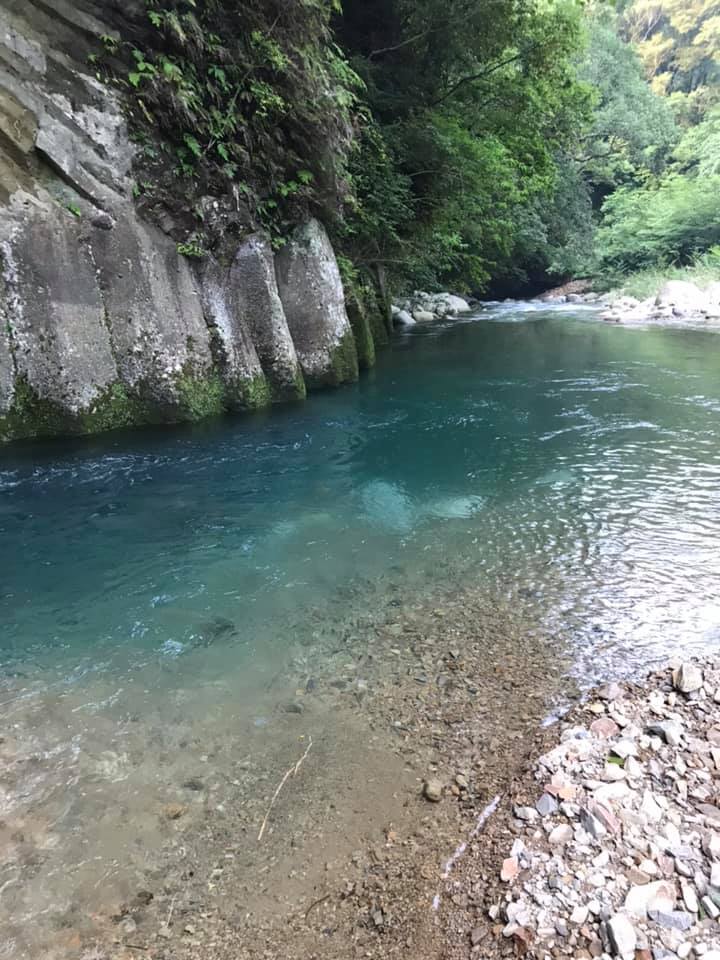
(546, 805)
(257, 307)
(153, 310)
(103, 221)
(224, 303)
(592, 824)
(670, 730)
(675, 919)
(312, 296)
(433, 790)
(57, 326)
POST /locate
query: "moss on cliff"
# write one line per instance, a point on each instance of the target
(358, 316)
(33, 416)
(288, 391)
(253, 394)
(200, 397)
(343, 362)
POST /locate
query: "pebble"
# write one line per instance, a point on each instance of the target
(675, 919)
(611, 691)
(709, 907)
(670, 731)
(627, 863)
(604, 728)
(658, 896)
(433, 790)
(546, 805)
(622, 936)
(560, 835)
(690, 898)
(687, 678)
(625, 748)
(579, 915)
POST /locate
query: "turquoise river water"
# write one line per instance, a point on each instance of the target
(551, 457)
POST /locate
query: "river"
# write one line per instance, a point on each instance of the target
(171, 599)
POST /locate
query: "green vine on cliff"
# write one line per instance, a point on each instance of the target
(249, 102)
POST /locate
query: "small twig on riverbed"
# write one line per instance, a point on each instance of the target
(292, 772)
(316, 903)
(170, 911)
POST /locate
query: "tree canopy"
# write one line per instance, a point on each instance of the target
(448, 142)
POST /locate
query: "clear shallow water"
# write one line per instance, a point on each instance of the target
(534, 453)
(579, 460)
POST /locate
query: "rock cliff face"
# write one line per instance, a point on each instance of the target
(102, 322)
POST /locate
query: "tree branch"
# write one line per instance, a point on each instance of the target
(473, 78)
(403, 43)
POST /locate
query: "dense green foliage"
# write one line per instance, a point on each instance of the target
(672, 218)
(444, 142)
(470, 104)
(626, 138)
(670, 215)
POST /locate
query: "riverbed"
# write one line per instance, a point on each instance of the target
(508, 509)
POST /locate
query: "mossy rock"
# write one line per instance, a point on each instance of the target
(364, 339)
(344, 362)
(200, 397)
(32, 416)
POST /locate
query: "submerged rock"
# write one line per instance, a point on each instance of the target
(433, 790)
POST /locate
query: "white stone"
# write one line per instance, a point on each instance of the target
(624, 748)
(404, 319)
(684, 298)
(579, 915)
(633, 767)
(622, 935)
(709, 907)
(560, 835)
(613, 772)
(688, 677)
(650, 807)
(659, 896)
(689, 898)
(611, 791)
